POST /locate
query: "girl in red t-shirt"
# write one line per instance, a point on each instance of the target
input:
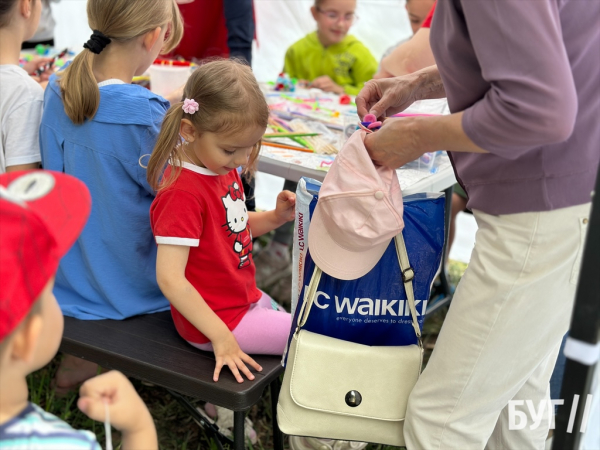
(200, 222)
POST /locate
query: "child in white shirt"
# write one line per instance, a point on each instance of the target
(20, 95)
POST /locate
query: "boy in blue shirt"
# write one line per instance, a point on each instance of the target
(41, 215)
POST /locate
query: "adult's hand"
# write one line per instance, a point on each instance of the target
(396, 143)
(401, 140)
(386, 96)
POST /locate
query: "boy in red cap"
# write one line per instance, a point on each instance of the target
(41, 215)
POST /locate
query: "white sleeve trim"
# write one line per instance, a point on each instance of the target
(582, 352)
(23, 159)
(187, 242)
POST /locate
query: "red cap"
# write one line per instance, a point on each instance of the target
(41, 216)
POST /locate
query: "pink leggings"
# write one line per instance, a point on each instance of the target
(263, 330)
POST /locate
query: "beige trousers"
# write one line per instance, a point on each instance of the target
(502, 334)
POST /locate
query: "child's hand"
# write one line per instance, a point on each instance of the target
(228, 352)
(285, 207)
(327, 84)
(128, 413)
(31, 66)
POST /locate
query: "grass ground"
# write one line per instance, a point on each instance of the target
(176, 429)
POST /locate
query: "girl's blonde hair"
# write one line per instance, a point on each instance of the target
(121, 21)
(229, 99)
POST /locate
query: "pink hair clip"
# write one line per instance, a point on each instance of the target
(190, 106)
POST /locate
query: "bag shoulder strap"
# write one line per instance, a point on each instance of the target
(406, 271)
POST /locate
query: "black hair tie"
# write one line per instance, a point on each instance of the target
(97, 42)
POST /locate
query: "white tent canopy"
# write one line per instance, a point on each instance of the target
(280, 23)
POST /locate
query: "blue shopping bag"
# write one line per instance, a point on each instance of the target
(372, 310)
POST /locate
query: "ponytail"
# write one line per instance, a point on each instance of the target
(116, 21)
(80, 93)
(166, 149)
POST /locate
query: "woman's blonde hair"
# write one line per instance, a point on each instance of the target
(121, 21)
(229, 99)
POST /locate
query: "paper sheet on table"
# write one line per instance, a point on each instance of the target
(407, 177)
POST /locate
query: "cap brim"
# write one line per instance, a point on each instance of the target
(63, 202)
(334, 259)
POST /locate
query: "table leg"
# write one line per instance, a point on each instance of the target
(239, 439)
(445, 285)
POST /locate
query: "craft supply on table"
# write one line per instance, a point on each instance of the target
(313, 111)
(166, 78)
(304, 134)
(50, 63)
(289, 147)
(43, 50)
(290, 134)
(173, 62)
(285, 83)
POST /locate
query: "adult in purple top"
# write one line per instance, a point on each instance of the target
(521, 78)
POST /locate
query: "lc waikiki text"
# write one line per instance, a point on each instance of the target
(368, 306)
(517, 420)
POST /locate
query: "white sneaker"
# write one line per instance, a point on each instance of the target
(224, 420)
(309, 443)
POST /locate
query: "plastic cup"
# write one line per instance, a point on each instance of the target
(165, 79)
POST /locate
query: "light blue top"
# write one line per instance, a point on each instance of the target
(36, 429)
(110, 273)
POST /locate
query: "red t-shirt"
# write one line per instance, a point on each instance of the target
(206, 212)
(429, 18)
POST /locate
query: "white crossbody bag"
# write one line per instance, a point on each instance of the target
(337, 389)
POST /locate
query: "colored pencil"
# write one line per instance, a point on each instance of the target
(411, 115)
(289, 147)
(278, 135)
(298, 140)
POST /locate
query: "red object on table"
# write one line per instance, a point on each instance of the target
(170, 62)
(344, 99)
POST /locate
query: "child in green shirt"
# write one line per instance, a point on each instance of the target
(329, 58)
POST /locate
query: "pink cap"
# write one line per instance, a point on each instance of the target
(358, 213)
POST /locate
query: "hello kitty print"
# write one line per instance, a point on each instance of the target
(237, 223)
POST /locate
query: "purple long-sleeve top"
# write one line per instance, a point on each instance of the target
(526, 73)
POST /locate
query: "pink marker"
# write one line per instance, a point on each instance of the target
(411, 115)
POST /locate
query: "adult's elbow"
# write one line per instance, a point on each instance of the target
(559, 126)
(563, 129)
(559, 113)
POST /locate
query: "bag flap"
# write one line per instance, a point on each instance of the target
(378, 380)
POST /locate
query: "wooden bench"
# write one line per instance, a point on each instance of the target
(148, 348)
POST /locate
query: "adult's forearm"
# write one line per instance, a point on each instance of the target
(428, 84)
(402, 140)
(445, 133)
